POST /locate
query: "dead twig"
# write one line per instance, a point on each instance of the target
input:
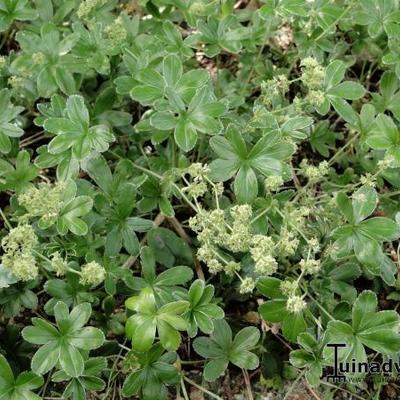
(248, 384)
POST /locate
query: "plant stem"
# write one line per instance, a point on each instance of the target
(248, 384)
(255, 63)
(356, 396)
(214, 396)
(343, 14)
(320, 306)
(294, 384)
(184, 391)
(344, 148)
(6, 222)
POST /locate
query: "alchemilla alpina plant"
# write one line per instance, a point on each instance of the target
(199, 199)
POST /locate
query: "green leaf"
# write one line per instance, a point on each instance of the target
(344, 109)
(175, 276)
(381, 229)
(334, 73)
(244, 359)
(46, 358)
(77, 111)
(88, 338)
(364, 203)
(214, 369)
(6, 376)
(41, 333)
(246, 186)
(172, 69)
(368, 252)
(364, 305)
(273, 310)
(348, 90)
(345, 206)
(71, 360)
(196, 292)
(185, 135)
(220, 349)
(293, 325)
(163, 120)
(269, 286)
(169, 337)
(246, 339)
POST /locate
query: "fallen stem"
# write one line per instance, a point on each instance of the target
(193, 383)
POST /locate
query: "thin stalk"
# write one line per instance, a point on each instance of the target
(343, 14)
(356, 396)
(320, 306)
(6, 222)
(184, 391)
(214, 396)
(255, 63)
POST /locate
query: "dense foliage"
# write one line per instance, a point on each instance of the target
(197, 197)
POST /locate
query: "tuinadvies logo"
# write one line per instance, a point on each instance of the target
(342, 371)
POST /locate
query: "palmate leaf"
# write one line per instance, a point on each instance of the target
(364, 236)
(201, 312)
(309, 357)
(19, 10)
(220, 349)
(192, 106)
(87, 381)
(62, 344)
(376, 330)
(266, 157)
(337, 92)
(166, 320)
(156, 370)
(385, 135)
(75, 132)
(20, 387)
(165, 283)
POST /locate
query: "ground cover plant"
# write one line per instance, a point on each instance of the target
(198, 198)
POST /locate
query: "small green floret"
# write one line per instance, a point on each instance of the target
(92, 274)
(18, 257)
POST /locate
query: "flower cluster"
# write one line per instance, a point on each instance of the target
(278, 86)
(387, 162)
(116, 32)
(289, 287)
(368, 179)
(86, 7)
(314, 173)
(273, 183)
(295, 304)
(288, 242)
(239, 238)
(18, 256)
(261, 251)
(313, 75)
(58, 264)
(296, 215)
(219, 230)
(310, 266)
(247, 285)
(92, 273)
(198, 185)
(43, 201)
(16, 82)
(38, 58)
